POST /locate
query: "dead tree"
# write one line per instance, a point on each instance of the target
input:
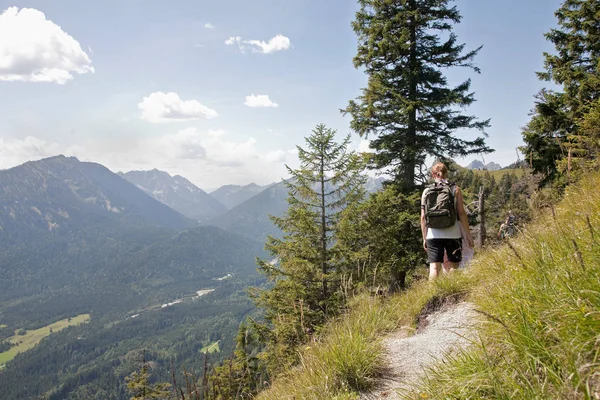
(481, 210)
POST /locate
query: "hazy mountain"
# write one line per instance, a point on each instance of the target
(176, 192)
(374, 184)
(234, 195)
(61, 194)
(251, 218)
(74, 234)
(491, 166)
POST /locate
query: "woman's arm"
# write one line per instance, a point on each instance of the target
(424, 228)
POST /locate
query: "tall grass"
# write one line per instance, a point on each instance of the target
(349, 357)
(539, 301)
(539, 297)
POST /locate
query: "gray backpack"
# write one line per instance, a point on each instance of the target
(440, 208)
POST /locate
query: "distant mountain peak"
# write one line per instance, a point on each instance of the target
(234, 195)
(62, 194)
(177, 192)
(477, 164)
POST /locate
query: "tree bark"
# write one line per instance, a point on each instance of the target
(323, 230)
(482, 233)
(408, 173)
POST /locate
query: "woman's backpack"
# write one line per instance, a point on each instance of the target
(440, 207)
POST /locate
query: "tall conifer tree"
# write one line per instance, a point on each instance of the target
(307, 266)
(555, 135)
(408, 106)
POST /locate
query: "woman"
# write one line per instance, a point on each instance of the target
(437, 241)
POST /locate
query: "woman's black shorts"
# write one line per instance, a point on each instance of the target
(436, 248)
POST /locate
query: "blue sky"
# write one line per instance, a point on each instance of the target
(138, 84)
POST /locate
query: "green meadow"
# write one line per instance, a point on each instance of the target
(33, 337)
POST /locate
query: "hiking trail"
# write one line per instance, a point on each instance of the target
(442, 331)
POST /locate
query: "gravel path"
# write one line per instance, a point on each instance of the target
(408, 356)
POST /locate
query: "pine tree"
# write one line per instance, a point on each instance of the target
(241, 376)
(138, 384)
(308, 265)
(575, 64)
(385, 243)
(554, 137)
(408, 105)
(546, 132)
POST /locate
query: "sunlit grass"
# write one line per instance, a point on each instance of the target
(33, 337)
(540, 296)
(519, 172)
(349, 358)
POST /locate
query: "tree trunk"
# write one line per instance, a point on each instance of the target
(323, 230)
(481, 217)
(408, 173)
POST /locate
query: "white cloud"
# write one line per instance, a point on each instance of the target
(232, 40)
(15, 151)
(166, 107)
(276, 43)
(208, 158)
(208, 25)
(260, 100)
(34, 49)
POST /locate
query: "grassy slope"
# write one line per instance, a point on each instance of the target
(541, 339)
(519, 172)
(211, 348)
(32, 338)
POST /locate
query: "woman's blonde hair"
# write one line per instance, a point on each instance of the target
(440, 170)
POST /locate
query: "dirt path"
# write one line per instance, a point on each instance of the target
(408, 356)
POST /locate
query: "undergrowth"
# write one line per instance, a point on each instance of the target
(349, 358)
(539, 297)
(539, 338)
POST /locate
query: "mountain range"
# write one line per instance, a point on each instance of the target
(76, 238)
(177, 193)
(491, 166)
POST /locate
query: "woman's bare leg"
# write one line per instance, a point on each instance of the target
(434, 270)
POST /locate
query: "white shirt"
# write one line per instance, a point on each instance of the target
(452, 232)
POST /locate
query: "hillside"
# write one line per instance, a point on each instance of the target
(251, 218)
(234, 195)
(176, 192)
(538, 296)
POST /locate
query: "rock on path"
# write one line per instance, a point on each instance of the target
(408, 357)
